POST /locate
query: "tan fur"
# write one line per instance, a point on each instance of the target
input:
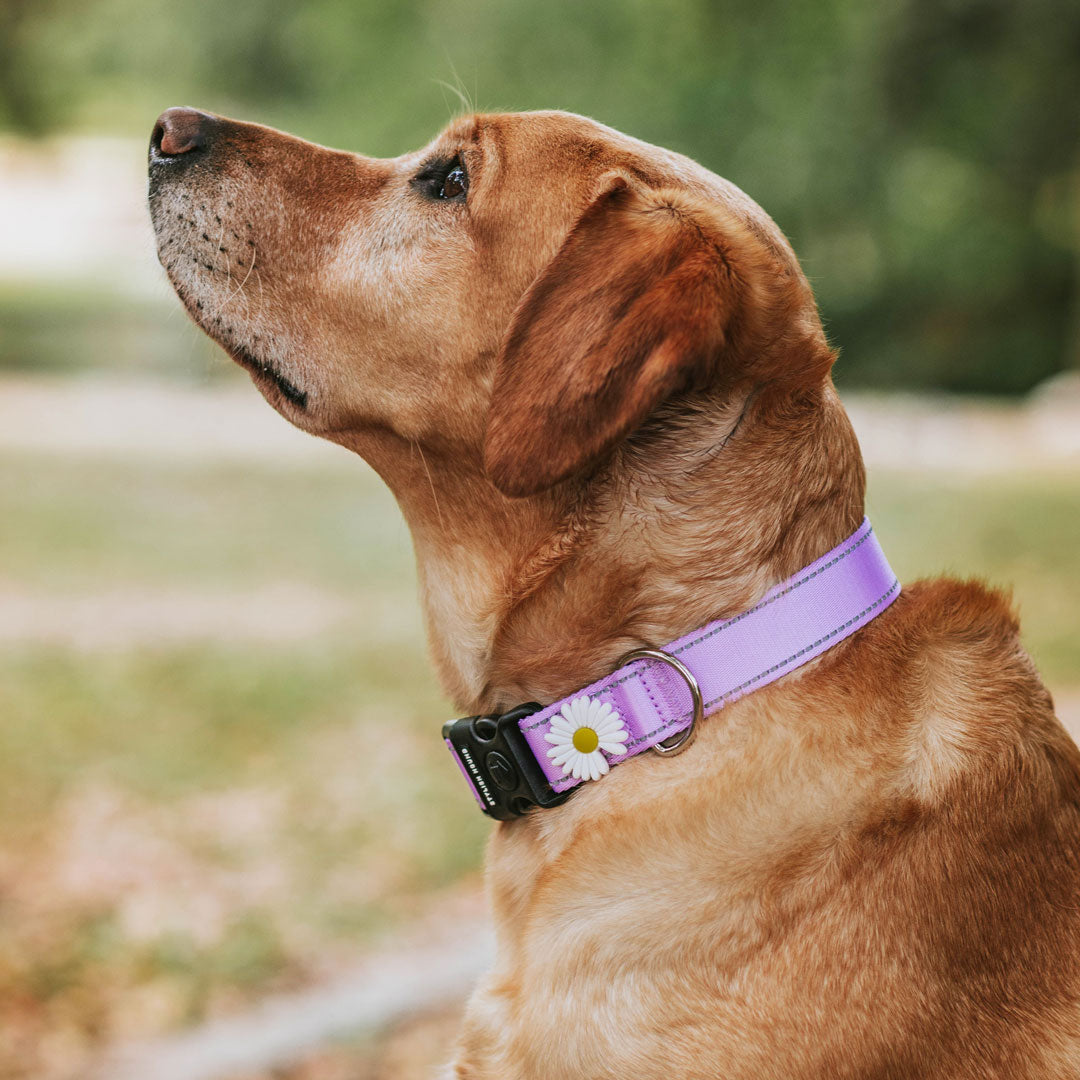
(600, 392)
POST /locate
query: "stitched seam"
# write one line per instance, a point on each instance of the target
(723, 626)
(769, 671)
(784, 592)
(648, 690)
(809, 648)
(776, 667)
(637, 673)
(559, 785)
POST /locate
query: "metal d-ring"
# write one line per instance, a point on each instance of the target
(680, 741)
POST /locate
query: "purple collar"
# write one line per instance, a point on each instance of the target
(535, 755)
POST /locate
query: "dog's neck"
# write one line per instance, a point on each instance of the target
(531, 598)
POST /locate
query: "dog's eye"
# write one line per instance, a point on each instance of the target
(444, 180)
(455, 185)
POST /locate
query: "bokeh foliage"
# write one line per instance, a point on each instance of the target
(921, 154)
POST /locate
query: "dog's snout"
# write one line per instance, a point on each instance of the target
(181, 131)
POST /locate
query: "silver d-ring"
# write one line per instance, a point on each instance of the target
(679, 742)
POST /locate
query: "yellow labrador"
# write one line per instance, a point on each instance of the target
(594, 376)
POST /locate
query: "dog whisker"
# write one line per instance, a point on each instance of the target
(221, 249)
(434, 493)
(240, 288)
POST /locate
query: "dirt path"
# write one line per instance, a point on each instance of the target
(112, 416)
(394, 986)
(121, 618)
(150, 420)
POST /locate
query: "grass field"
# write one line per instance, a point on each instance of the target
(188, 822)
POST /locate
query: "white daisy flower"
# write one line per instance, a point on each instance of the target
(579, 731)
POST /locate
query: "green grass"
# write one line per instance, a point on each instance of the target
(299, 790)
(1018, 532)
(84, 524)
(301, 796)
(167, 725)
(164, 723)
(73, 327)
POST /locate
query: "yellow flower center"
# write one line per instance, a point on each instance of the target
(586, 740)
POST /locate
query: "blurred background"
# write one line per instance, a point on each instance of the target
(208, 625)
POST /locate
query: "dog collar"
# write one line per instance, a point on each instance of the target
(534, 755)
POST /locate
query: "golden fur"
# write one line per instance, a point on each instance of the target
(600, 391)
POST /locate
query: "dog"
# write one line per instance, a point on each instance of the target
(594, 376)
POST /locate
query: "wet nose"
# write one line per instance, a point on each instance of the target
(180, 131)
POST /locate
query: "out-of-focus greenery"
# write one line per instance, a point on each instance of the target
(1011, 531)
(186, 825)
(64, 327)
(921, 154)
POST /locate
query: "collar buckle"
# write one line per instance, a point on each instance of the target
(502, 771)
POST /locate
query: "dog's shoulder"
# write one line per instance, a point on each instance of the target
(956, 646)
(968, 615)
(957, 696)
(975, 833)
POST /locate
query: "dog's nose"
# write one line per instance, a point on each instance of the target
(180, 131)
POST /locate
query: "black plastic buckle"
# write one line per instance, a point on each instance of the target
(496, 760)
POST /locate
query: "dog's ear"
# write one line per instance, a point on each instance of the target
(641, 302)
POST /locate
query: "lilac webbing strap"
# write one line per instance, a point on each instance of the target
(795, 621)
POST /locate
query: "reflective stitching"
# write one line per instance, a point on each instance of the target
(750, 682)
(784, 592)
(776, 667)
(636, 672)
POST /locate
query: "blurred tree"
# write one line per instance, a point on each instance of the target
(984, 98)
(21, 105)
(922, 155)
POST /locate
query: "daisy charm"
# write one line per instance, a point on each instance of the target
(580, 730)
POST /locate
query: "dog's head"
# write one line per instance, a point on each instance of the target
(524, 292)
